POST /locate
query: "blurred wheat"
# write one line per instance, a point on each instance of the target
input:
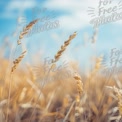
(71, 99)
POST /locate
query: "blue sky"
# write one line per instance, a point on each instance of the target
(72, 16)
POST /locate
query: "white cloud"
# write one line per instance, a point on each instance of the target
(74, 21)
(77, 9)
(78, 16)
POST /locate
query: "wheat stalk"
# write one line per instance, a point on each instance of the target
(17, 61)
(58, 55)
(70, 109)
(63, 47)
(26, 30)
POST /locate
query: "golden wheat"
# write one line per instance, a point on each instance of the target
(80, 90)
(118, 94)
(97, 67)
(17, 61)
(63, 47)
(26, 30)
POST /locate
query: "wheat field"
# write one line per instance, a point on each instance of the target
(39, 94)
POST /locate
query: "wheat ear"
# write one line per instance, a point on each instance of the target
(80, 90)
(17, 61)
(98, 65)
(63, 47)
(26, 30)
(118, 93)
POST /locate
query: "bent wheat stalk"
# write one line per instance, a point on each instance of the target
(58, 55)
(63, 47)
(18, 60)
(26, 30)
(16, 63)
